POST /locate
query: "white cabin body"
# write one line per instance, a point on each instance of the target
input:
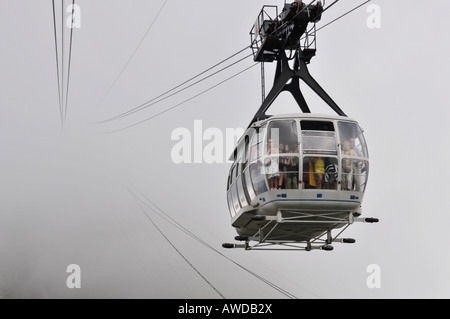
(324, 168)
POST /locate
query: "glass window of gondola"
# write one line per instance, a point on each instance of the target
(320, 163)
(352, 133)
(246, 168)
(354, 153)
(282, 133)
(256, 169)
(281, 162)
(256, 144)
(233, 174)
(354, 174)
(230, 204)
(242, 196)
(320, 172)
(318, 137)
(235, 199)
(289, 168)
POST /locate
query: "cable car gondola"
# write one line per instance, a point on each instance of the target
(295, 178)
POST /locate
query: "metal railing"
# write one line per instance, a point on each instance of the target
(265, 24)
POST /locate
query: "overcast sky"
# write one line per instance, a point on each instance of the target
(64, 197)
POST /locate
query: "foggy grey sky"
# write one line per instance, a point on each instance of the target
(63, 199)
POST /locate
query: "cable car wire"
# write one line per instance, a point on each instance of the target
(58, 71)
(192, 235)
(332, 4)
(185, 101)
(176, 224)
(62, 60)
(133, 54)
(146, 105)
(179, 252)
(70, 61)
(143, 105)
(165, 111)
(343, 15)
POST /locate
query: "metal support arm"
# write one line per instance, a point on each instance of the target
(283, 75)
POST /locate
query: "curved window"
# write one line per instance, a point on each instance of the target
(241, 194)
(257, 177)
(233, 174)
(248, 184)
(240, 187)
(282, 133)
(364, 175)
(256, 171)
(245, 171)
(354, 153)
(230, 204)
(354, 174)
(234, 198)
(352, 134)
(256, 145)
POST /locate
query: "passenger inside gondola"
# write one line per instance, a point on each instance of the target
(357, 165)
(347, 166)
(318, 168)
(272, 165)
(282, 166)
(354, 171)
(283, 136)
(291, 169)
(331, 174)
(313, 172)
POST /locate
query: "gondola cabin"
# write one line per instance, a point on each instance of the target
(305, 174)
(295, 178)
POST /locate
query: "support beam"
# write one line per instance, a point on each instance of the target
(284, 73)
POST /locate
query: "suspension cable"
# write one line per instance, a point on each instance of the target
(57, 64)
(70, 60)
(192, 235)
(62, 59)
(144, 105)
(133, 54)
(178, 251)
(185, 101)
(343, 15)
(159, 97)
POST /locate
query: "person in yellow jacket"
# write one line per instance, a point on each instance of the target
(316, 171)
